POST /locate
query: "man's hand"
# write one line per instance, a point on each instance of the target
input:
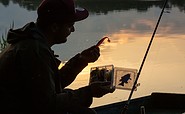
(99, 89)
(91, 54)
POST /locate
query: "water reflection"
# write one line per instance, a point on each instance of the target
(27, 4)
(104, 6)
(129, 24)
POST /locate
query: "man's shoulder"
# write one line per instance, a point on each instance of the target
(32, 44)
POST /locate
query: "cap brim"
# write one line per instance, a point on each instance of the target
(81, 14)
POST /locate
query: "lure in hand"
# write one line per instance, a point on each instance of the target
(101, 41)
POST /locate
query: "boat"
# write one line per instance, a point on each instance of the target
(156, 103)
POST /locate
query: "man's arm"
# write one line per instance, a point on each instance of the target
(71, 69)
(76, 64)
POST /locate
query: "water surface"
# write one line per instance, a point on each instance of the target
(129, 25)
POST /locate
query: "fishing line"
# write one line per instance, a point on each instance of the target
(145, 56)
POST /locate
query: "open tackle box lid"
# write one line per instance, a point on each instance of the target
(121, 78)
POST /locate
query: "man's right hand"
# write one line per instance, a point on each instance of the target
(91, 54)
(99, 89)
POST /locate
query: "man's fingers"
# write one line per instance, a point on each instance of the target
(105, 83)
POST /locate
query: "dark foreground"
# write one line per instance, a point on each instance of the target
(156, 103)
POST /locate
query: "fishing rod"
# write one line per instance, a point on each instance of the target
(145, 56)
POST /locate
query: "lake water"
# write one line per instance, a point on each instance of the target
(129, 25)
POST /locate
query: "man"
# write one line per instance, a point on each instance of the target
(30, 81)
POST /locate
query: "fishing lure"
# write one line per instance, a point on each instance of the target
(101, 41)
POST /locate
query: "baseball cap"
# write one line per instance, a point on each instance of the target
(61, 10)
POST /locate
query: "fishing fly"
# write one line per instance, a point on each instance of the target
(102, 40)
